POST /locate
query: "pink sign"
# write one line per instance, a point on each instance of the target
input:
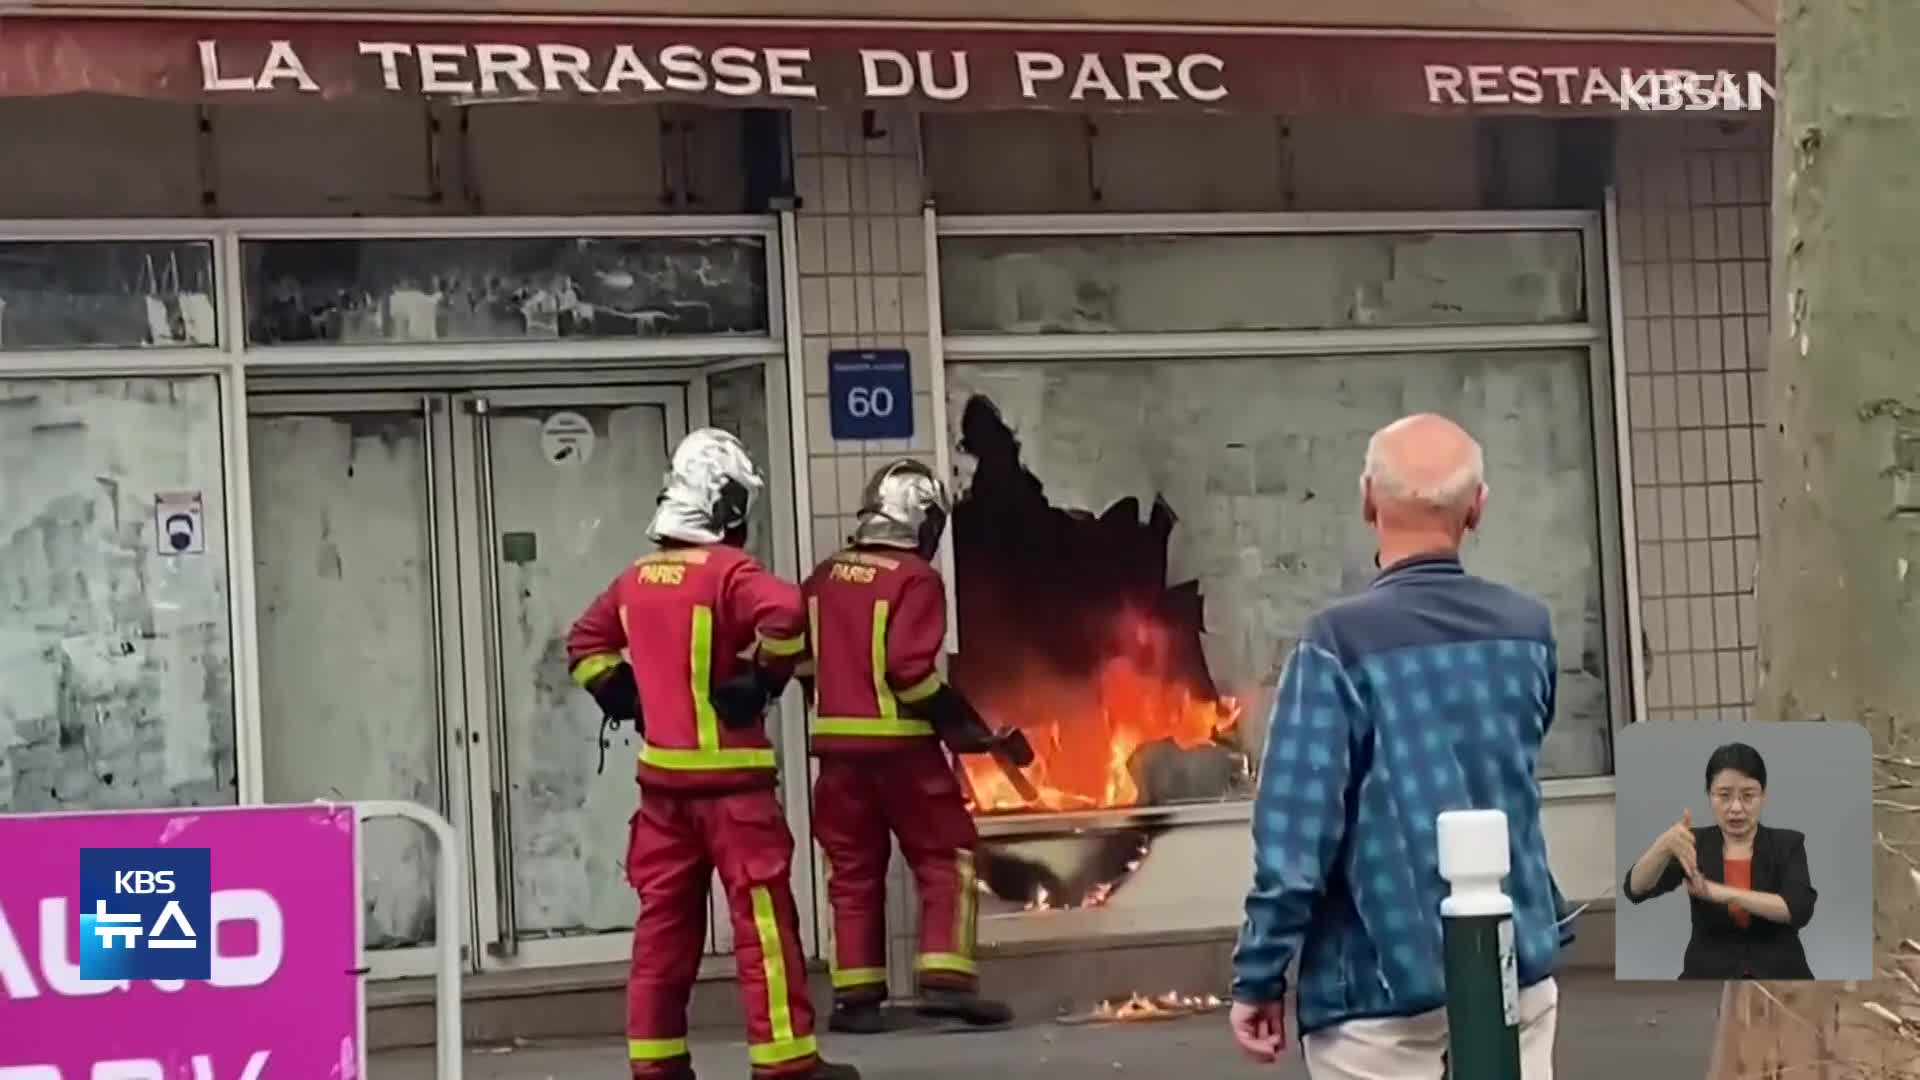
(284, 1002)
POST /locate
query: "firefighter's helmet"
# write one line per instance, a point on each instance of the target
(709, 492)
(905, 506)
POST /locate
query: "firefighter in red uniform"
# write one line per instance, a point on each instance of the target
(878, 614)
(692, 642)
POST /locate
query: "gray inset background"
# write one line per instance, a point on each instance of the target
(1819, 781)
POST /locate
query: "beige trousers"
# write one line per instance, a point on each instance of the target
(1411, 1047)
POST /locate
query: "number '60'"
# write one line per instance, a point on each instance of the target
(865, 401)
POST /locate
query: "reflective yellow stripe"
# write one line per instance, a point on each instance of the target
(782, 1051)
(655, 1049)
(697, 760)
(706, 724)
(883, 694)
(855, 725)
(709, 755)
(784, 646)
(921, 690)
(965, 920)
(852, 977)
(946, 961)
(590, 668)
(773, 964)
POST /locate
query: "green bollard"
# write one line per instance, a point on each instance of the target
(1483, 987)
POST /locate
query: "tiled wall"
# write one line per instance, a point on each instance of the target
(863, 284)
(1693, 234)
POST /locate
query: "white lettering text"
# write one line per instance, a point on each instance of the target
(389, 53)
(60, 975)
(1036, 68)
(1654, 90)
(210, 78)
(1213, 92)
(787, 73)
(282, 64)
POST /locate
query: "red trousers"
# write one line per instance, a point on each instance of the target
(676, 844)
(859, 801)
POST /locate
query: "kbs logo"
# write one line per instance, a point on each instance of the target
(145, 913)
(143, 882)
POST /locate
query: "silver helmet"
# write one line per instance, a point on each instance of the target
(709, 491)
(905, 506)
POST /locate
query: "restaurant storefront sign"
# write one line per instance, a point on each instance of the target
(959, 69)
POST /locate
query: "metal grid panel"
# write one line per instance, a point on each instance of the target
(1693, 236)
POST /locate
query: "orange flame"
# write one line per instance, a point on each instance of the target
(1085, 732)
(1171, 1005)
(1141, 1007)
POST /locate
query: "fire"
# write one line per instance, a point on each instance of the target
(1099, 894)
(1168, 1006)
(1085, 732)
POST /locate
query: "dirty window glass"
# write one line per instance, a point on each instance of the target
(1179, 520)
(496, 289)
(1195, 283)
(343, 591)
(107, 294)
(115, 658)
(737, 402)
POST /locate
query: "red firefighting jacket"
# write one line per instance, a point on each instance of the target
(877, 621)
(688, 619)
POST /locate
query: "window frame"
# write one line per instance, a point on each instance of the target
(1595, 335)
(231, 361)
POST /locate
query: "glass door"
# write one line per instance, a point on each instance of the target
(561, 483)
(419, 559)
(360, 694)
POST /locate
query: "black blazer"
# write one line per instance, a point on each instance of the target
(1720, 948)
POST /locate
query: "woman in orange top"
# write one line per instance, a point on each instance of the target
(1750, 888)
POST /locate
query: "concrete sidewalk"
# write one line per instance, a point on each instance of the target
(1608, 1030)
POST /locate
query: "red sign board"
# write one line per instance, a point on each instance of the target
(1296, 72)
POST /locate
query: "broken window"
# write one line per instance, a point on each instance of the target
(1177, 521)
(115, 656)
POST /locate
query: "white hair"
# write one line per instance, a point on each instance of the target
(1452, 492)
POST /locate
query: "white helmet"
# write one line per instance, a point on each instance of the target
(905, 506)
(710, 490)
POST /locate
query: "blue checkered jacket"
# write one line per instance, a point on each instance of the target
(1430, 691)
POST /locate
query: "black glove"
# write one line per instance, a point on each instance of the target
(618, 695)
(619, 699)
(1011, 743)
(958, 724)
(740, 701)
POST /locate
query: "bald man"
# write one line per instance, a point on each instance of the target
(1429, 691)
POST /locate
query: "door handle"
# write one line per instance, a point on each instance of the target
(506, 942)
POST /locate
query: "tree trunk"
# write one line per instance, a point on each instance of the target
(1840, 547)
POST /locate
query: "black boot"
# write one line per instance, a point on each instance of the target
(828, 1070)
(965, 1006)
(685, 1072)
(857, 1018)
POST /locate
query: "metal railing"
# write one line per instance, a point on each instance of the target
(447, 898)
